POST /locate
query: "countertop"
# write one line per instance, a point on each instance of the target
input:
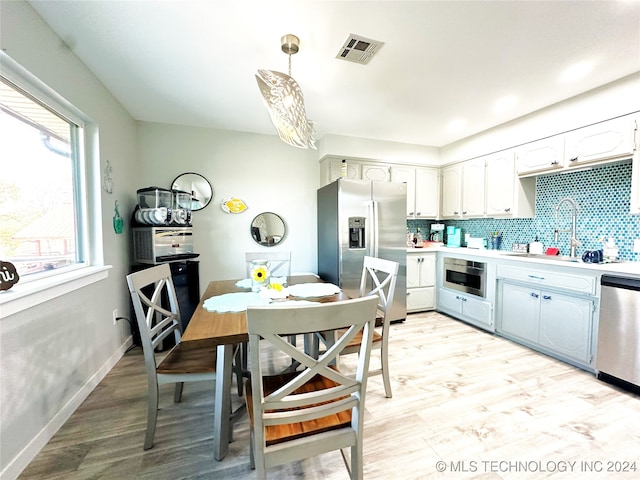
(618, 268)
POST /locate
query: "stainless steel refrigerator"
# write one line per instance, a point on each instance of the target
(358, 218)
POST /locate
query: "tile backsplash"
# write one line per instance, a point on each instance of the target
(602, 195)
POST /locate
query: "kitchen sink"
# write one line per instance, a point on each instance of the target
(542, 256)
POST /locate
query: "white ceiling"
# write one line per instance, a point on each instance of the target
(193, 62)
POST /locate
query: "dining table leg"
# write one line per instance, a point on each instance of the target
(222, 434)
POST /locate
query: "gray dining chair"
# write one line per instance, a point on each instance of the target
(158, 316)
(315, 409)
(378, 279)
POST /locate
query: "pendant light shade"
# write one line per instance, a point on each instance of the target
(284, 100)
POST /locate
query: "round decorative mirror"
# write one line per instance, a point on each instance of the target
(268, 229)
(199, 187)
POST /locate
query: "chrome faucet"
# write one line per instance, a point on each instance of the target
(573, 241)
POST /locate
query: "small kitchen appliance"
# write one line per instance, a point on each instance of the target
(436, 232)
(454, 236)
(464, 275)
(153, 245)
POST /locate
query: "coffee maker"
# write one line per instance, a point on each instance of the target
(454, 236)
(436, 232)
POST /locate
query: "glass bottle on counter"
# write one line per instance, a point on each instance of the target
(418, 238)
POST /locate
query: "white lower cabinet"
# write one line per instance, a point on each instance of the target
(465, 307)
(555, 323)
(421, 280)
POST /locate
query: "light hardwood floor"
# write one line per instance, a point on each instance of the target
(482, 405)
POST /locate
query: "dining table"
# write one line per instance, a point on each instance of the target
(229, 329)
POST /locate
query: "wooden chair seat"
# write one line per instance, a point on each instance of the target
(283, 433)
(357, 340)
(196, 356)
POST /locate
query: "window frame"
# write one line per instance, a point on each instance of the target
(46, 285)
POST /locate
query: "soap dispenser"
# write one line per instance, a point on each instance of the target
(610, 251)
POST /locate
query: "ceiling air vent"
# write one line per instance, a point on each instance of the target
(358, 49)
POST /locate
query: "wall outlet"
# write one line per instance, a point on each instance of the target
(636, 245)
(116, 314)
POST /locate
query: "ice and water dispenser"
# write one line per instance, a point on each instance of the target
(356, 232)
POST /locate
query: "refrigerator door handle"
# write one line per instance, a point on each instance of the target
(374, 229)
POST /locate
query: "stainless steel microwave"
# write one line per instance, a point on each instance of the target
(464, 275)
(162, 244)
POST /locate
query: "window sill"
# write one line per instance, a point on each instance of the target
(28, 295)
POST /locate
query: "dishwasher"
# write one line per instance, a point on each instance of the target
(618, 354)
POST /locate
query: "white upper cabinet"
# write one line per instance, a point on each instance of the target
(450, 205)
(545, 155)
(376, 171)
(423, 193)
(463, 189)
(473, 187)
(427, 192)
(610, 140)
(331, 170)
(598, 143)
(507, 195)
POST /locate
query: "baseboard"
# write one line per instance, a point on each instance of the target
(28, 453)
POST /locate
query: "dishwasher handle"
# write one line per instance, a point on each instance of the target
(627, 283)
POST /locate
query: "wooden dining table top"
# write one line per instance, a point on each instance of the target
(231, 327)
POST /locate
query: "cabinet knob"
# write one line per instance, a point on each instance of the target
(417, 213)
(410, 213)
(535, 295)
(464, 212)
(455, 213)
(574, 159)
(547, 297)
(508, 209)
(555, 162)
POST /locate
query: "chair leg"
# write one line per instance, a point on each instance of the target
(177, 394)
(357, 472)
(252, 459)
(240, 365)
(152, 416)
(384, 360)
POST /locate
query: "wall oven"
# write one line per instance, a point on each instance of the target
(464, 275)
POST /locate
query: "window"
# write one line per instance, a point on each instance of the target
(43, 228)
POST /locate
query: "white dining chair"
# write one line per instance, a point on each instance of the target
(280, 262)
(190, 361)
(315, 409)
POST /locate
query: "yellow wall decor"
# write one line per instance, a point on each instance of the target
(233, 205)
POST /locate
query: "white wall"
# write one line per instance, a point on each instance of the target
(51, 355)
(613, 100)
(365, 148)
(269, 175)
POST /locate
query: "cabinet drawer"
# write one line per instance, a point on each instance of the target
(563, 281)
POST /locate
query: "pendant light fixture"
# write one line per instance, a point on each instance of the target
(284, 100)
